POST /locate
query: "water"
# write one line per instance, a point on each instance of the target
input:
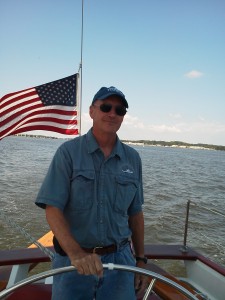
(171, 177)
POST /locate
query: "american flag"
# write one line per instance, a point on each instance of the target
(51, 106)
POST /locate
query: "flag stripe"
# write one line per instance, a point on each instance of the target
(49, 106)
(21, 111)
(34, 116)
(37, 122)
(49, 128)
(18, 95)
(38, 109)
(42, 122)
(12, 106)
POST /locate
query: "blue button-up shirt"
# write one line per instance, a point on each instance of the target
(96, 195)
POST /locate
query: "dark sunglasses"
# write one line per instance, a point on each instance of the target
(106, 107)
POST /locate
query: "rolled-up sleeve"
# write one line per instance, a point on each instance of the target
(55, 188)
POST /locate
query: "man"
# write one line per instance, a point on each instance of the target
(93, 197)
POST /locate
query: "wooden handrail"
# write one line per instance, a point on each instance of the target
(35, 255)
(22, 256)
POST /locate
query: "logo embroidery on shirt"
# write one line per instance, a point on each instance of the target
(128, 171)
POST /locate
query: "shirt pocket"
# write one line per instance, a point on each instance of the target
(82, 190)
(126, 189)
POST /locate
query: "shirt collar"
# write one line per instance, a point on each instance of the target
(93, 145)
(91, 142)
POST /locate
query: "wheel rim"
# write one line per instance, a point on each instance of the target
(109, 266)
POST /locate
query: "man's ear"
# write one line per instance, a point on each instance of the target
(91, 110)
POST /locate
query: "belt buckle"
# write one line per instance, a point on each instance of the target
(96, 248)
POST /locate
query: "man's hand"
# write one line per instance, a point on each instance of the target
(87, 264)
(141, 281)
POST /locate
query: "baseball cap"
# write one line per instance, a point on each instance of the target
(105, 92)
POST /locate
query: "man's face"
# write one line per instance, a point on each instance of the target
(106, 122)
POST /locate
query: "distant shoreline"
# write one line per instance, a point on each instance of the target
(175, 144)
(171, 144)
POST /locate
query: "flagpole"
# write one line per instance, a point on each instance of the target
(81, 63)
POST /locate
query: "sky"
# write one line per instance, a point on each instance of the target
(166, 56)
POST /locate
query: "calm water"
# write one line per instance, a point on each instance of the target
(171, 176)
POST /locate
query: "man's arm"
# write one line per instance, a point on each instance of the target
(85, 263)
(136, 223)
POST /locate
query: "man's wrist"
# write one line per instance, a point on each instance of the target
(141, 258)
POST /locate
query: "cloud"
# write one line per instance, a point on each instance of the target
(195, 131)
(163, 128)
(201, 118)
(193, 74)
(175, 116)
(86, 118)
(133, 121)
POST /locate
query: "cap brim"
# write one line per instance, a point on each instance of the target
(112, 94)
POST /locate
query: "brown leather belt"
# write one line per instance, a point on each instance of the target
(101, 250)
(106, 249)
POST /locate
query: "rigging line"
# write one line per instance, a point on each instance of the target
(197, 233)
(21, 230)
(208, 209)
(212, 240)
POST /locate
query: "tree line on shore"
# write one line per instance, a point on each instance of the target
(176, 144)
(153, 143)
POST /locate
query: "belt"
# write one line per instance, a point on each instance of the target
(100, 250)
(106, 249)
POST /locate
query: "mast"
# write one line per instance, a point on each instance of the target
(81, 62)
